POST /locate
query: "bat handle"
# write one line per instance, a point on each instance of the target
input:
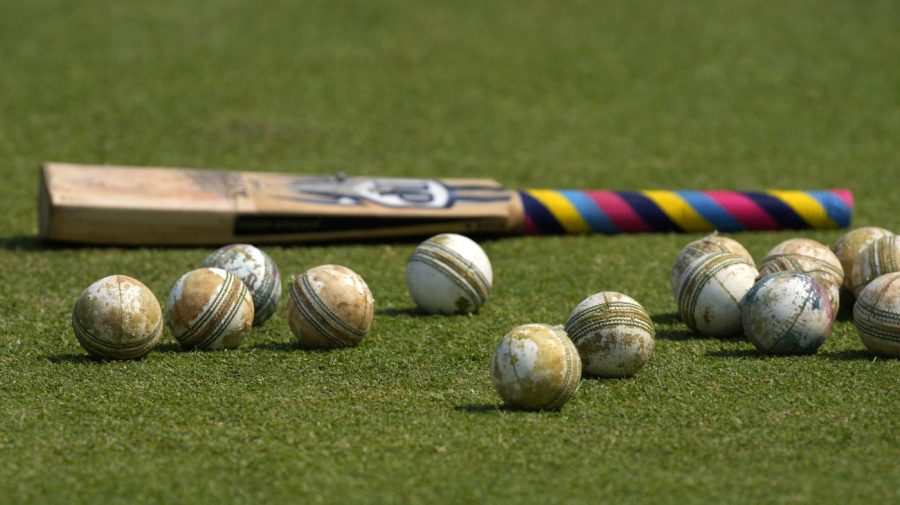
(549, 211)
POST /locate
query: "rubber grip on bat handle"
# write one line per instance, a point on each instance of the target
(576, 211)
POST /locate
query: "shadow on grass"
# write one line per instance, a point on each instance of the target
(493, 408)
(82, 359)
(35, 243)
(483, 408)
(77, 359)
(737, 353)
(294, 346)
(290, 345)
(680, 332)
(667, 318)
(168, 347)
(404, 311)
(851, 355)
(845, 309)
(27, 243)
(598, 378)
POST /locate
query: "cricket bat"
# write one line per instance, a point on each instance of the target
(116, 205)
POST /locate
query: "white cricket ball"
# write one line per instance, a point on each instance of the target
(613, 334)
(209, 309)
(449, 274)
(117, 317)
(710, 291)
(536, 367)
(330, 306)
(255, 269)
(787, 313)
(876, 315)
(714, 243)
(851, 244)
(880, 257)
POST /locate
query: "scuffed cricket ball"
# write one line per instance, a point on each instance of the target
(209, 309)
(613, 334)
(117, 317)
(787, 313)
(536, 367)
(714, 243)
(850, 245)
(881, 256)
(710, 291)
(330, 306)
(876, 315)
(255, 269)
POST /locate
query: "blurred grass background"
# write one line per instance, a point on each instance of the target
(729, 94)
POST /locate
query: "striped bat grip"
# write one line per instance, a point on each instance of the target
(569, 211)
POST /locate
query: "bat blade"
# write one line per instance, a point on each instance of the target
(166, 206)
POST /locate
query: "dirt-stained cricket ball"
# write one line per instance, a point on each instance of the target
(710, 293)
(803, 255)
(880, 257)
(851, 244)
(825, 273)
(613, 334)
(714, 243)
(255, 269)
(536, 367)
(787, 313)
(117, 317)
(876, 315)
(330, 306)
(449, 274)
(209, 309)
(828, 265)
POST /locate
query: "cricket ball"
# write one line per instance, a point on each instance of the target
(536, 367)
(809, 249)
(851, 244)
(876, 315)
(804, 247)
(714, 243)
(880, 257)
(209, 309)
(803, 255)
(827, 274)
(710, 291)
(449, 274)
(117, 317)
(330, 306)
(255, 269)
(787, 313)
(613, 334)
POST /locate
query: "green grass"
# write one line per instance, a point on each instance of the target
(619, 95)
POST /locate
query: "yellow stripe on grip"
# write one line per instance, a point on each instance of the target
(805, 206)
(679, 211)
(562, 209)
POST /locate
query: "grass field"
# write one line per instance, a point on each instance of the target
(622, 95)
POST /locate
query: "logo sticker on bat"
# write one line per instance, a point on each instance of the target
(388, 192)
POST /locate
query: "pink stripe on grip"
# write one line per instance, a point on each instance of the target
(619, 212)
(744, 210)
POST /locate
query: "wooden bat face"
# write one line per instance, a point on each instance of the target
(124, 205)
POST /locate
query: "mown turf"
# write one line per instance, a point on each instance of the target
(584, 94)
